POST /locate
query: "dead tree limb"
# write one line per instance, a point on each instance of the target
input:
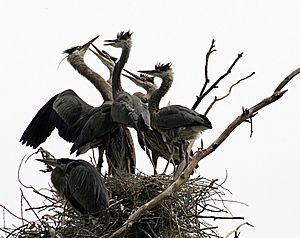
(227, 94)
(203, 93)
(210, 51)
(246, 114)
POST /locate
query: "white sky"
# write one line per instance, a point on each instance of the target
(263, 171)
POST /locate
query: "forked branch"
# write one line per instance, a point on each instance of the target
(204, 93)
(245, 115)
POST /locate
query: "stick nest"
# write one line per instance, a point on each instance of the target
(182, 214)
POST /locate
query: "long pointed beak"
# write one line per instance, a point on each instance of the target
(132, 74)
(99, 51)
(86, 45)
(100, 56)
(127, 76)
(150, 72)
(51, 162)
(110, 42)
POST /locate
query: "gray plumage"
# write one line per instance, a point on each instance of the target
(97, 131)
(80, 183)
(101, 130)
(66, 112)
(174, 122)
(126, 108)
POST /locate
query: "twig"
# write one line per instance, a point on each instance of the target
(221, 217)
(11, 213)
(236, 230)
(215, 84)
(30, 206)
(123, 230)
(227, 94)
(210, 51)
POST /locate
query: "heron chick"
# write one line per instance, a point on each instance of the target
(81, 185)
(176, 123)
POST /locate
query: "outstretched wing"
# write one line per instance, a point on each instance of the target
(65, 111)
(70, 113)
(40, 126)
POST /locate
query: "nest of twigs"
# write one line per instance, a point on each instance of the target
(185, 213)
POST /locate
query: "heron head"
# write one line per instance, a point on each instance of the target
(56, 163)
(147, 78)
(108, 60)
(80, 49)
(142, 77)
(123, 39)
(161, 70)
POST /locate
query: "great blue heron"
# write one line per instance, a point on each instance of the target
(176, 123)
(126, 108)
(81, 185)
(117, 142)
(152, 139)
(77, 121)
(65, 111)
(144, 81)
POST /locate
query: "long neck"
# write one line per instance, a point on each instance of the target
(116, 81)
(159, 93)
(109, 81)
(100, 83)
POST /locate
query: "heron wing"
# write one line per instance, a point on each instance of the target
(96, 130)
(86, 187)
(127, 108)
(70, 113)
(40, 126)
(176, 116)
(65, 111)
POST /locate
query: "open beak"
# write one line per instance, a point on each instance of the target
(149, 72)
(51, 162)
(99, 52)
(131, 74)
(84, 47)
(110, 42)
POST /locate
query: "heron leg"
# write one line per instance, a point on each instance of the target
(185, 150)
(184, 158)
(152, 158)
(100, 159)
(172, 151)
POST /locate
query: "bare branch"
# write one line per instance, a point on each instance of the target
(215, 84)
(210, 51)
(226, 95)
(236, 229)
(11, 213)
(22, 194)
(248, 113)
(287, 80)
